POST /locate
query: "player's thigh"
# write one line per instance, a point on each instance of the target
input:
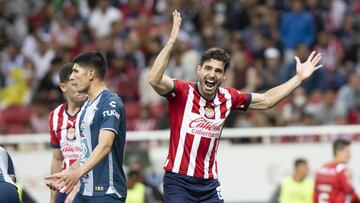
(99, 199)
(79, 198)
(212, 196)
(60, 197)
(10, 190)
(176, 191)
(210, 192)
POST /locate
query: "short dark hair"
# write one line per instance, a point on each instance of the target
(299, 161)
(216, 54)
(340, 145)
(92, 59)
(65, 72)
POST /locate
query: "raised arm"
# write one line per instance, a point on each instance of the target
(162, 83)
(273, 96)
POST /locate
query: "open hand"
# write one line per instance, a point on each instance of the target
(176, 26)
(64, 182)
(304, 70)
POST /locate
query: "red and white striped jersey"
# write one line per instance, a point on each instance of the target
(62, 135)
(195, 127)
(332, 184)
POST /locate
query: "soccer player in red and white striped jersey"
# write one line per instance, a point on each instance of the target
(332, 180)
(197, 114)
(66, 147)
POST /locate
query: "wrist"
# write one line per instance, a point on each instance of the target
(79, 173)
(298, 78)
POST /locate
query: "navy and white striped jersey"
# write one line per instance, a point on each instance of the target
(6, 167)
(106, 112)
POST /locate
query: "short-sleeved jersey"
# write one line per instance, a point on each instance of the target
(195, 127)
(106, 112)
(6, 166)
(62, 135)
(332, 184)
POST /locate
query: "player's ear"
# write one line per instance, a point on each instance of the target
(198, 68)
(91, 74)
(62, 87)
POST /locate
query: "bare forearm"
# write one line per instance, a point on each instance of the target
(278, 93)
(55, 168)
(158, 69)
(96, 156)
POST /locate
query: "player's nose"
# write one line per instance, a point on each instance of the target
(212, 74)
(72, 76)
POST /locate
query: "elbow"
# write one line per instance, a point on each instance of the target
(270, 106)
(107, 149)
(153, 81)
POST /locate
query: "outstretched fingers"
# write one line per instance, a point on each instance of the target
(310, 58)
(316, 59)
(176, 18)
(318, 66)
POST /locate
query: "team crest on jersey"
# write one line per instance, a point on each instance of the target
(70, 134)
(82, 125)
(209, 112)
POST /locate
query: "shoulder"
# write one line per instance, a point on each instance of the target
(3, 152)
(229, 90)
(110, 98)
(180, 88)
(234, 92)
(182, 84)
(57, 109)
(340, 168)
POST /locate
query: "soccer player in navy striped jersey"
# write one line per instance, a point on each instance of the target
(198, 111)
(101, 128)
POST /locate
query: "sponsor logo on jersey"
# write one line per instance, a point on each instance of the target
(112, 104)
(205, 127)
(111, 113)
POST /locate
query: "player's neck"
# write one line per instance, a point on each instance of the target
(298, 178)
(96, 89)
(339, 160)
(72, 108)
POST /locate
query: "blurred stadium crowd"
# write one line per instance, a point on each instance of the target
(262, 36)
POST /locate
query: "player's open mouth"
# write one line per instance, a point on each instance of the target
(209, 84)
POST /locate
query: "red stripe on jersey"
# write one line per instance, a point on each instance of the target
(223, 108)
(60, 119)
(196, 105)
(202, 151)
(54, 140)
(212, 159)
(189, 139)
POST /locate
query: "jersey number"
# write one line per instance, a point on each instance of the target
(323, 198)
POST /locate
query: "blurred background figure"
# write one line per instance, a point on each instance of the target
(297, 188)
(7, 179)
(332, 180)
